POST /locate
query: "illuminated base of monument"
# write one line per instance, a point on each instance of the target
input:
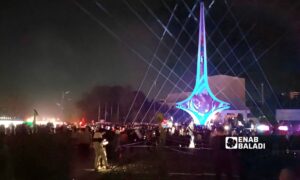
(202, 105)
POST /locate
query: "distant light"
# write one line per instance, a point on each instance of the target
(8, 123)
(176, 124)
(214, 117)
(172, 130)
(166, 123)
(45, 120)
(5, 118)
(227, 128)
(67, 92)
(283, 128)
(171, 118)
(105, 142)
(263, 127)
(30, 119)
(240, 123)
(170, 124)
(192, 144)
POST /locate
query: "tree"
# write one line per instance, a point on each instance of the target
(113, 102)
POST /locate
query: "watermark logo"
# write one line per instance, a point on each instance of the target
(231, 142)
(244, 143)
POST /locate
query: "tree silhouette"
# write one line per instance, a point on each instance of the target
(114, 103)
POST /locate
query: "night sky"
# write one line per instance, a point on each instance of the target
(50, 46)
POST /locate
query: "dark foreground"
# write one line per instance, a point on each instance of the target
(54, 157)
(172, 163)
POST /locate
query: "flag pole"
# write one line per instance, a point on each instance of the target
(105, 112)
(118, 113)
(99, 112)
(35, 114)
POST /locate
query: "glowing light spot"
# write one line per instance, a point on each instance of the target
(283, 128)
(263, 127)
(227, 128)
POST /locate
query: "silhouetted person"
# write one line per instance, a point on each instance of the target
(116, 144)
(222, 158)
(2, 129)
(6, 172)
(84, 140)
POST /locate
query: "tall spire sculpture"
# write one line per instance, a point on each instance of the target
(202, 104)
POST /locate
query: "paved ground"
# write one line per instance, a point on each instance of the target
(142, 163)
(51, 157)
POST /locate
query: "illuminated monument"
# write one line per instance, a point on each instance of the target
(202, 104)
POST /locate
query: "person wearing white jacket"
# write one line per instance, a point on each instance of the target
(100, 152)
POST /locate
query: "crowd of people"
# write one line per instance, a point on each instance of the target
(108, 141)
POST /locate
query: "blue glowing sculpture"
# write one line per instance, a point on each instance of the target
(202, 104)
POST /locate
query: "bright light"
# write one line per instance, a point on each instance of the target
(30, 119)
(172, 130)
(240, 123)
(8, 123)
(227, 128)
(170, 124)
(214, 117)
(192, 144)
(45, 120)
(283, 128)
(5, 118)
(105, 142)
(263, 127)
(166, 123)
(67, 92)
